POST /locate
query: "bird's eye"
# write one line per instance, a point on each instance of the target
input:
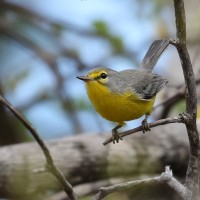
(103, 75)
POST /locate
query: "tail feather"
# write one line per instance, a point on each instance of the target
(153, 54)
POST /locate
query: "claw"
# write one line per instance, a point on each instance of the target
(115, 135)
(145, 125)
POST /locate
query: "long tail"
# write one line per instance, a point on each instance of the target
(153, 54)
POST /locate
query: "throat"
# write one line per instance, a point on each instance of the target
(98, 93)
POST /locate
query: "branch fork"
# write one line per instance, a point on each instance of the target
(166, 176)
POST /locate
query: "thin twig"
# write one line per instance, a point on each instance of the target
(151, 125)
(169, 103)
(86, 188)
(179, 94)
(166, 177)
(50, 164)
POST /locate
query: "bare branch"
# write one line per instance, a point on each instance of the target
(192, 176)
(166, 176)
(172, 182)
(169, 103)
(87, 188)
(50, 164)
(180, 21)
(151, 125)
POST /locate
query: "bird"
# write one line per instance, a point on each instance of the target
(121, 96)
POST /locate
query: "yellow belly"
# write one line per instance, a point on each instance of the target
(115, 107)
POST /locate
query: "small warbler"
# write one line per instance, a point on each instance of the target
(126, 95)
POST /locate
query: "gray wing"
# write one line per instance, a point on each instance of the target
(151, 88)
(145, 84)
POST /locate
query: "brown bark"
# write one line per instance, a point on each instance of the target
(192, 175)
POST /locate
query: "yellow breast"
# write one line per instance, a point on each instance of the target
(117, 107)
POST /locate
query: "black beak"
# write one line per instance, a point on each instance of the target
(84, 78)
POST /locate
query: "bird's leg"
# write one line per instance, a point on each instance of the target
(145, 124)
(115, 134)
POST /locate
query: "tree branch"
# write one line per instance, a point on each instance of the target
(192, 176)
(50, 164)
(86, 188)
(151, 125)
(166, 177)
(170, 102)
(180, 21)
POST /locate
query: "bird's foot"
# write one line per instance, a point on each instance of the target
(145, 126)
(115, 136)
